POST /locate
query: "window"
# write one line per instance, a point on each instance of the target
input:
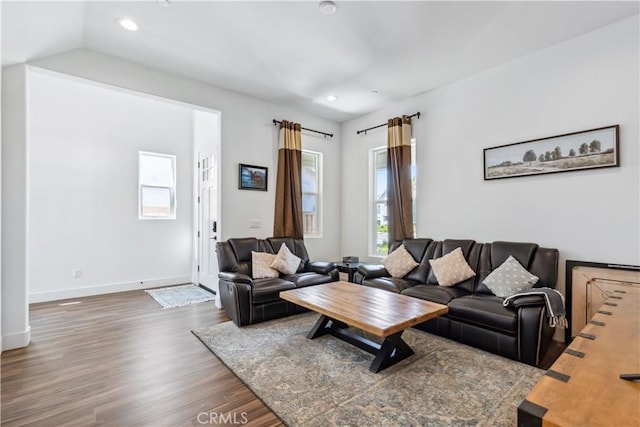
(311, 193)
(156, 186)
(379, 240)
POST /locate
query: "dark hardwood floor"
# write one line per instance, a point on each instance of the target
(121, 360)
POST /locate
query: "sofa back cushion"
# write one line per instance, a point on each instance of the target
(493, 255)
(418, 248)
(545, 266)
(242, 248)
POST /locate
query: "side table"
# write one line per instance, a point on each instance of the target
(349, 267)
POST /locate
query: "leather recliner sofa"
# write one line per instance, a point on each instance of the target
(476, 316)
(247, 300)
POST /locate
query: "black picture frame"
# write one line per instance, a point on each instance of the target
(251, 177)
(570, 265)
(587, 149)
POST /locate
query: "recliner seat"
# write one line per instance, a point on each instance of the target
(247, 300)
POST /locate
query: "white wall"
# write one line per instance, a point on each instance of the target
(248, 136)
(15, 315)
(83, 190)
(584, 83)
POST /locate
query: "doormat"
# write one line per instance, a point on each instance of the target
(178, 296)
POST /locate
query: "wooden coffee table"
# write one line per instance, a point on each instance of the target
(380, 313)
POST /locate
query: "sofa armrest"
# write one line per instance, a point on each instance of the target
(321, 267)
(371, 271)
(527, 301)
(236, 300)
(534, 334)
(235, 277)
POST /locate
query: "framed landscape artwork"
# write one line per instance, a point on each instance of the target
(252, 177)
(589, 149)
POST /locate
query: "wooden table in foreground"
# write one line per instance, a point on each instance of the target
(380, 313)
(584, 386)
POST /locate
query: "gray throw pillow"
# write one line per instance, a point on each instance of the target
(510, 278)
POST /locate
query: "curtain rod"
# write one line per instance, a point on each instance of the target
(384, 124)
(330, 135)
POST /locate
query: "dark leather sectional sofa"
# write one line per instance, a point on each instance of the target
(477, 317)
(248, 300)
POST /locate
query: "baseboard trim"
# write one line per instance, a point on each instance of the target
(111, 288)
(18, 340)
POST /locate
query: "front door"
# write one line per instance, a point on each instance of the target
(208, 223)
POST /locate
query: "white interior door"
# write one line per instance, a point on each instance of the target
(208, 223)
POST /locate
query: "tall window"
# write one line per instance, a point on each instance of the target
(156, 186)
(379, 239)
(311, 193)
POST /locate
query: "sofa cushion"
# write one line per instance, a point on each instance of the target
(392, 284)
(486, 311)
(286, 262)
(399, 262)
(510, 278)
(261, 265)
(438, 294)
(241, 249)
(268, 290)
(300, 280)
(418, 250)
(451, 269)
(522, 252)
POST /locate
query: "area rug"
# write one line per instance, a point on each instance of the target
(177, 296)
(326, 382)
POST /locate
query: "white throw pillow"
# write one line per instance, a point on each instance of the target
(451, 268)
(286, 262)
(399, 262)
(510, 278)
(261, 265)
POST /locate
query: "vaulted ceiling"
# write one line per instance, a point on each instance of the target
(368, 54)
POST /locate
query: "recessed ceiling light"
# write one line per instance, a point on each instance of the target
(128, 24)
(164, 3)
(331, 98)
(327, 7)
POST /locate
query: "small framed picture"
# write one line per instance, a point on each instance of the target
(252, 177)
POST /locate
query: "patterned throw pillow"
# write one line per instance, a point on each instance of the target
(261, 265)
(510, 278)
(286, 262)
(451, 268)
(399, 262)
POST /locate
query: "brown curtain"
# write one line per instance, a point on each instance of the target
(288, 212)
(400, 201)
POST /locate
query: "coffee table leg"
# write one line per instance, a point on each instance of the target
(320, 327)
(392, 350)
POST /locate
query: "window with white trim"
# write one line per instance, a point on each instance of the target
(379, 237)
(156, 186)
(311, 193)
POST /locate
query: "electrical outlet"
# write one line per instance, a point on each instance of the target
(254, 223)
(77, 273)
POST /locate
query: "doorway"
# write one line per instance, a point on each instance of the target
(206, 129)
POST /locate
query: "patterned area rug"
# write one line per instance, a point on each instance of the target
(177, 296)
(325, 381)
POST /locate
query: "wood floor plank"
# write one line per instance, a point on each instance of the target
(120, 359)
